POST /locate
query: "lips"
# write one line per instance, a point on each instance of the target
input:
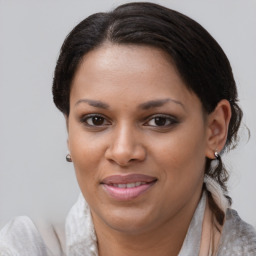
(127, 187)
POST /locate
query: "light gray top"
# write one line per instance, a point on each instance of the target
(20, 237)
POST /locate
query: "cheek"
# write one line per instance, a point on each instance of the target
(182, 170)
(83, 145)
(87, 154)
(182, 147)
(183, 154)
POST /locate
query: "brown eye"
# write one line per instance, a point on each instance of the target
(95, 120)
(161, 120)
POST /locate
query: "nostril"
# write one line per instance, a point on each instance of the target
(123, 164)
(125, 150)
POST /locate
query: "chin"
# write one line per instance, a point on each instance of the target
(128, 220)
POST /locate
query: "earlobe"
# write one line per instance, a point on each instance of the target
(218, 123)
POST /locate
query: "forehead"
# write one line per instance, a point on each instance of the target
(112, 53)
(131, 70)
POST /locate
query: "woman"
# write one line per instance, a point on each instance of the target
(150, 104)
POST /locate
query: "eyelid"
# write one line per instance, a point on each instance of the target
(172, 119)
(84, 118)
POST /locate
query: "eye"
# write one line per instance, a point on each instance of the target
(161, 120)
(95, 120)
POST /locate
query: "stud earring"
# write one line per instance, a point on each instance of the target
(216, 154)
(68, 158)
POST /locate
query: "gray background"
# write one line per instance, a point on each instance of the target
(35, 179)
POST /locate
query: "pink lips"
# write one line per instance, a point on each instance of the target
(127, 187)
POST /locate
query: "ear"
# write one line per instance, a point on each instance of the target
(217, 128)
(66, 119)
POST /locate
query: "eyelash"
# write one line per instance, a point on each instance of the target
(85, 119)
(166, 118)
(172, 120)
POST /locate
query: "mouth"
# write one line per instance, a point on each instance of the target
(128, 187)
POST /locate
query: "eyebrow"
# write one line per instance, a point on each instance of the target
(93, 103)
(158, 103)
(144, 106)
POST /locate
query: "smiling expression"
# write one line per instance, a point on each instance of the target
(137, 137)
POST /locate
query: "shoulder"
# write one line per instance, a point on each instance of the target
(238, 237)
(22, 237)
(17, 233)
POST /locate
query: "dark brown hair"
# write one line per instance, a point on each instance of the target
(199, 59)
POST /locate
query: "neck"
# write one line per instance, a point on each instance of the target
(165, 239)
(162, 242)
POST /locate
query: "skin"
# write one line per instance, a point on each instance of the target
(128, 139)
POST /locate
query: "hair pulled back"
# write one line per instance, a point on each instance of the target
(199, 59)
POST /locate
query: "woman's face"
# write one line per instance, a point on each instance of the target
(137, 137)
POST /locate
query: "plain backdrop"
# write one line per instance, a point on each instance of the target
(35, 179)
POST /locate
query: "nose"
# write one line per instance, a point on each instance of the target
(125, 147)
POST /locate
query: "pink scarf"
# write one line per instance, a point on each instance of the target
(211, 230)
